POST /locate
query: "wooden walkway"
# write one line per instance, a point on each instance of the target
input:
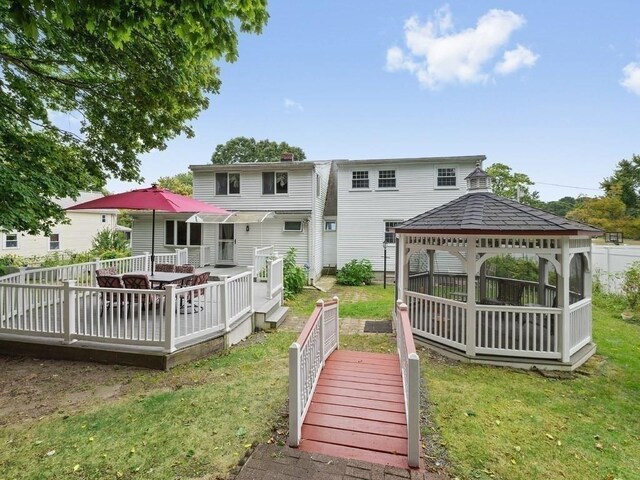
(357, 410)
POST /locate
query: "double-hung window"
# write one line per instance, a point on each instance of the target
(359, 179)
(389, 236)
(54, 241)
(227, 184)
(387, 179)
(10, 240)
(446, 177)
(180, 233)
(275, 183)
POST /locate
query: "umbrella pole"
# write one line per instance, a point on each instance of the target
(153, 240)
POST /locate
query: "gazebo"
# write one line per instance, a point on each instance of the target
(479, 317)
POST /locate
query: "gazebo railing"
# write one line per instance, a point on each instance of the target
(439, 319)
(579, 325)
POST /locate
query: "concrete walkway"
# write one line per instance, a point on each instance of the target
(270, 462)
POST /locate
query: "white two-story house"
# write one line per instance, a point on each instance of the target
(75, 236)
(330, 211)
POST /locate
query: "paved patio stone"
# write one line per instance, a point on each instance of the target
(271, 462)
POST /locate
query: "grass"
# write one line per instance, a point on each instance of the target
(506, 424)
(369, 301)
(195, 420)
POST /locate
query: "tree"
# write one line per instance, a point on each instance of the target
(627, 177)
(505, 182)
(248, 150)
(132, 73)
(182, 183)
(563, 206)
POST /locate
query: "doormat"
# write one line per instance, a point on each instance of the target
(380, 326)
(223, 266)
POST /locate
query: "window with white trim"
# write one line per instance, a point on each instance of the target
(387, 179)
(181, 233)
(446, 177)
(227, 183)
(275, 183)
(330, 226)
(360, 179)
(293, 226)
(54, 241)
(389, 236)
(10, 240)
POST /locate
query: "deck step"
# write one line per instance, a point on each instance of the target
(268, 305)
(276, 317)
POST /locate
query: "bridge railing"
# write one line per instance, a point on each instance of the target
(319, 338)
(410, 365)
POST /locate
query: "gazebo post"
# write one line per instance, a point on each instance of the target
(542, 281)
(483, 279)
(432, 256)
(400, 275)
(471, 296)
(563, 300)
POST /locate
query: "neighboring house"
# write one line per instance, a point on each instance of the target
(329, 211)
(75, 236)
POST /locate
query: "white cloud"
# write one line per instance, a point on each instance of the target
(631, 80)
(516, 59)
(438, 55)
(292, 105)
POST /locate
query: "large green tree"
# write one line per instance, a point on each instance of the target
(250, 150)
(132, 72)
(506, 183)
(626, 178)
(181, 183)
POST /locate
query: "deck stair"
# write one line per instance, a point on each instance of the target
(357, 405)
(270, 314)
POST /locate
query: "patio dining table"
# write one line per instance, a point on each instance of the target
(160, 279)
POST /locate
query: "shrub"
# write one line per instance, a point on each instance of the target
(109, 241)
(507, 266)
(356, 272)
(295, 277)
(631, 285)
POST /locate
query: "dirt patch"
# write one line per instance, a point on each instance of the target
(32, 388)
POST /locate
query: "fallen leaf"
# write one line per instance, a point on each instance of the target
(599, 446)
(50, 453)
(76, 467)
(517, 448)
(550, 437)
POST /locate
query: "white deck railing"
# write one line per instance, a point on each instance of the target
(275, 277)
(518, 331)
(579, 325)
(410, 365)
(438, 319)
(163, 319)
(206, 255)
(260, 258)
(319, 338)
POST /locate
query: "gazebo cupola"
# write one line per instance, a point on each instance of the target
(460, 308)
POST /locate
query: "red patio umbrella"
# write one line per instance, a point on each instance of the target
(153, 199)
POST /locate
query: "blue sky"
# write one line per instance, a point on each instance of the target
(551, 89)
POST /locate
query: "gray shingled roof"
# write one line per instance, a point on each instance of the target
(482, 212)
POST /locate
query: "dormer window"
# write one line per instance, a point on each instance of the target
(446, 177)
(227, 183)
(275, 183)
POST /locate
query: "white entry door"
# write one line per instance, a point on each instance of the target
(226, 243)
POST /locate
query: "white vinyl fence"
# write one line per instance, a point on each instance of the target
(319, 338)
(609, 263)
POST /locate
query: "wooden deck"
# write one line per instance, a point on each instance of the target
(358, 410)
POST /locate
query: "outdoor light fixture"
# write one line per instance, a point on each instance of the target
(247, 227)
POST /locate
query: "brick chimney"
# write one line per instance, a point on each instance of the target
(286, 157)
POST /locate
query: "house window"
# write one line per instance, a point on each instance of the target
(360, 179)
(103, 218)
(11, 240)
(179, 233)
(330, 226)
(54, 241)
(389, 236)
(227, 183)
(446, 177)
(275, 183)
(387, 179)
(293, 226)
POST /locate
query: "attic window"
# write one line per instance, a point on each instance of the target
(275, 183)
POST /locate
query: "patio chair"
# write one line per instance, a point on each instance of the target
(201, 279)
(165, 267)
(186, 268)
(140, 282)
(110, 299)
(101, 272)
(510, 292)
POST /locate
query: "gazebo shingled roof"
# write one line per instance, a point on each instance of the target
(487, 213)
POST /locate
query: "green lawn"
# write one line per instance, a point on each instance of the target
(506, 424)
(370, 301)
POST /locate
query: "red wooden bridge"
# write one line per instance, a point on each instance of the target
(359, 404)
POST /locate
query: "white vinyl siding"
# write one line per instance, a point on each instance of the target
(329, 245)
(361, 214)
